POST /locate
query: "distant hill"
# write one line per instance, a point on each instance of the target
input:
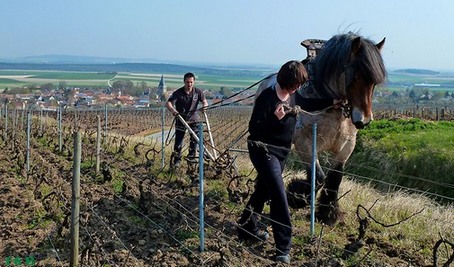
(417, 72)
(138, 67)
(68, 59)
(56, 60)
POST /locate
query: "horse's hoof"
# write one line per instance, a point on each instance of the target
(330, 221)
(328, 216)
(298, 194)
(297, 201)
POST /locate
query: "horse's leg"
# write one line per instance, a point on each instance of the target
(328, 207)
(299, 191)
(328, 210)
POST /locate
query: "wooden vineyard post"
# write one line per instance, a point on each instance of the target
(60, 129)
(75, 201)
(105, 124)
(41, 121)
(98, 145)
(5, 133)
(162, 137)
(29, 118)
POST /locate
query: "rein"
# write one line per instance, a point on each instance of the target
(222, 102)
(345, 107)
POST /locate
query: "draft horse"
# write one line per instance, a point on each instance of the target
(347, 68)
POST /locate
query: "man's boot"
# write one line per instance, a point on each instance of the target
(175, 160)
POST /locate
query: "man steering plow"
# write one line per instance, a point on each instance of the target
(183, 104)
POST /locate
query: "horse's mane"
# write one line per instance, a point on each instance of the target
(333, 59)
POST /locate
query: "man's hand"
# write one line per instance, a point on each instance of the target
(204, 109)
(280, 112)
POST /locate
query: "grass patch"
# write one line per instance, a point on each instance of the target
(217, 190)
(409, 153)
(117, 185)
(181, 234)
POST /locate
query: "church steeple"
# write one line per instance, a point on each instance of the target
(162, 88)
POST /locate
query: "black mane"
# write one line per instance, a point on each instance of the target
(333, 59)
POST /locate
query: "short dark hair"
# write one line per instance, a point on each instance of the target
(188, 75)
(292, 74)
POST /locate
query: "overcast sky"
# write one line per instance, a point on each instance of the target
(419, 34)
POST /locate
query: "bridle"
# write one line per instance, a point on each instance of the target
(345, 104)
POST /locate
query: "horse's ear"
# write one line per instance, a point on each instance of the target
(356, 45)
(380, 44)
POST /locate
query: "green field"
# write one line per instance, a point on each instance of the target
(57, 75)
(407, 78)
(207, 78)
(16, 78)
(405, 150)
(73, 76)
(9, 81)
(398, 81)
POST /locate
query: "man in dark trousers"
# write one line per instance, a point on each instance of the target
(184, 102)
(271, 130)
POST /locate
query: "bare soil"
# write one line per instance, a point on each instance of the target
(134, 214)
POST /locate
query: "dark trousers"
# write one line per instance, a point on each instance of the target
(180, 131)
(269, 186)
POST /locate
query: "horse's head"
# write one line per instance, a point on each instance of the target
(350, 67)
(363, 73)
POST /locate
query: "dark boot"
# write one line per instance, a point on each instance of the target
(175, 160)
(257, 235)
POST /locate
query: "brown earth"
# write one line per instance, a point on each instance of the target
(134, 214)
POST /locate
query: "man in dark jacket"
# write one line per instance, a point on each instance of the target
(271, 130)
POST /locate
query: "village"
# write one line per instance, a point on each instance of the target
(116, 96)
(126, 94)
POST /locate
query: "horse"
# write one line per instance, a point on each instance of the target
(346, 68)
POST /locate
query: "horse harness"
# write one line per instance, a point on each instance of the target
(313, 47)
